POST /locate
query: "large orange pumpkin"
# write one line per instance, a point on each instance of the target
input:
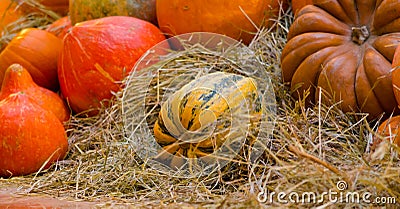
(82, 10)
(98, 54)
(17, 79)
(37, 51)
(30, 136)
(346, 48)
(237, 19)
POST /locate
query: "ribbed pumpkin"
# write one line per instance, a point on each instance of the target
(196, 120)
(346, 48)
(37, 51)
(82, 10)
(17, 79)
(98, 54)
(30, 136)
(60, 27)
(237, 19)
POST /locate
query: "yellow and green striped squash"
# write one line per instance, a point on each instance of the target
(196, 119)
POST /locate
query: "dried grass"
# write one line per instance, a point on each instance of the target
(311, 150)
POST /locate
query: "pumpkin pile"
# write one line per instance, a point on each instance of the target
(79, 61)
(84, 63)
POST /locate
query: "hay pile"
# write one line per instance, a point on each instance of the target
(311, 150)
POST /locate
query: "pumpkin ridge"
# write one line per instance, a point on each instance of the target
(377, 82)
(338, 9)
(290, 58)
(331, 26)
(386, 14)
(386, 45)
(303, 69)
(331, 80)
(341, 4)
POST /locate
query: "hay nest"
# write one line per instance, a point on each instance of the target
(312, 150)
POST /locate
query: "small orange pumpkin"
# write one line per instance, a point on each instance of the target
(17, 79)
(37, 51)
(30, 136)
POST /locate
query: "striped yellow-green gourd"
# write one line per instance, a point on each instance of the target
(196, 119)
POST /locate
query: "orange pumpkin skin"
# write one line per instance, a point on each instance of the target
(37, 51)
(348, 54)
(29, 136)
(389, 130)
(224, 16)
(60, 27)
(98, 54)
(298, 4)
(17, 79)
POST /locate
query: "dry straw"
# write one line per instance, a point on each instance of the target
(311, 150)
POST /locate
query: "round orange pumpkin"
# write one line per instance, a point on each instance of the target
(30, 136)
(60, 27)
(37, 51)
(17, 79)
(98, 54)
(298, 4)
(82, 10)
(237, 19)
(345, 48)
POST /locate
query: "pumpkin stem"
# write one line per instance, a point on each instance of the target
(359, 34)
